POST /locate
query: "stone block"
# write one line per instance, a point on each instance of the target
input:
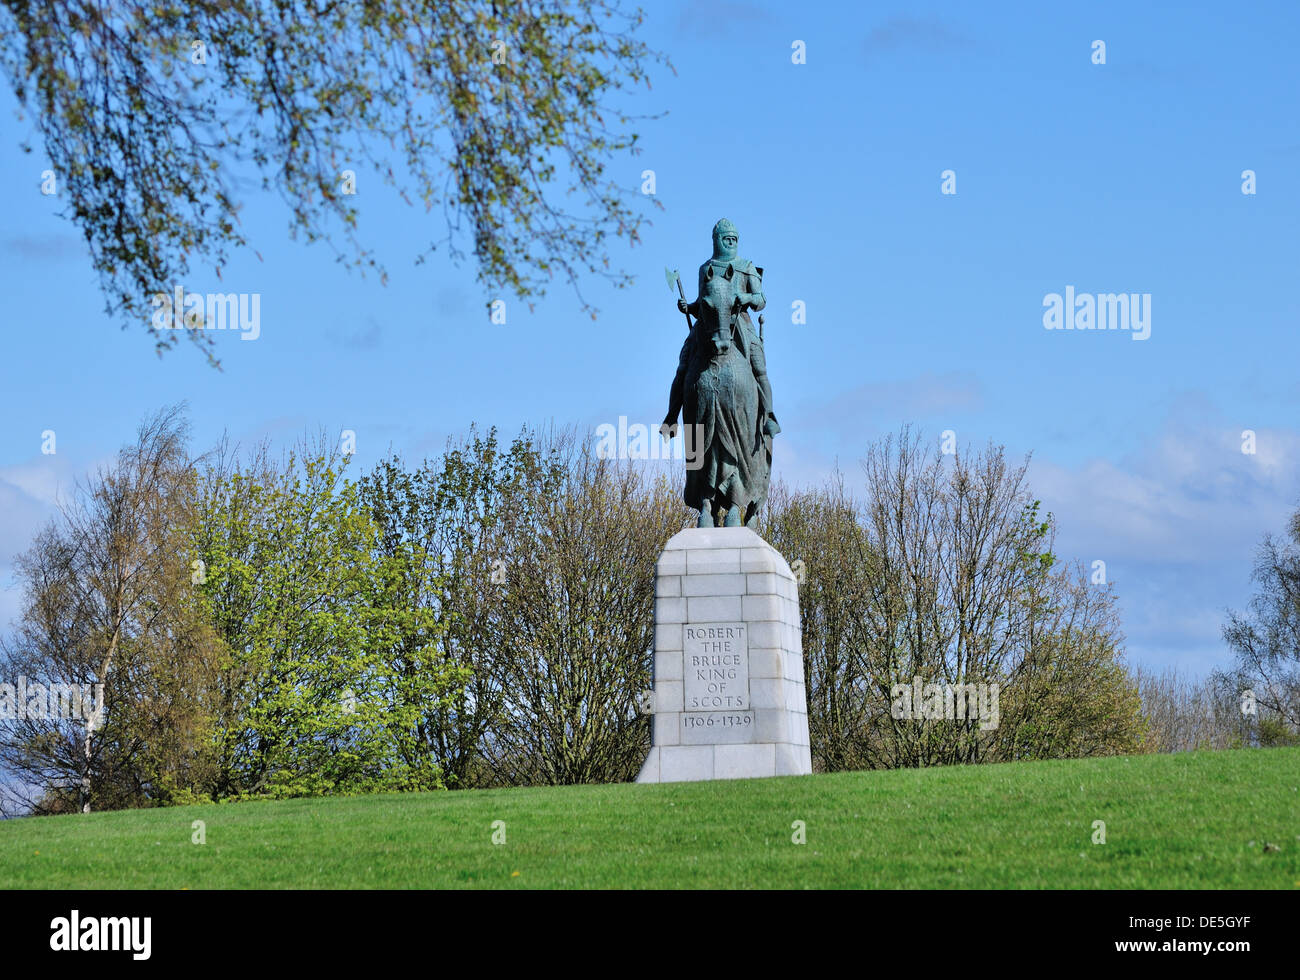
(668, 636)
(713, 585)
(712, 609)
(668, 695)
(668, 728)
(765, 692)
(724, 561)
(671, 563)
(729, 702)
(650, 769)
(772, 725)
(767, 634)
(670, 611)
(792, 666)
(769, 662)
(758, 561)
(685, 763)
(762, 608)
(668, 665)
(744, 761)
(791, 762)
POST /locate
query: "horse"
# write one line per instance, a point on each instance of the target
(722, 399)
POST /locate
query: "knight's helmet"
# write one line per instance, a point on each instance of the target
(724, 227)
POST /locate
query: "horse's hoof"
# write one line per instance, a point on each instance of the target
(706, 519)
(733, 517)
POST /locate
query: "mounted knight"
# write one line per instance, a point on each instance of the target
(722, 386)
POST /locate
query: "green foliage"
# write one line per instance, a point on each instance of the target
(459, 515)
(944, 569)
(1273, 732)
(329, 671)
(185, 796)
(486, 618)
(578, 620)
(106, 604)
(502, 114)
(545, 559)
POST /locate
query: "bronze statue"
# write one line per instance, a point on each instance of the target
(722, 386)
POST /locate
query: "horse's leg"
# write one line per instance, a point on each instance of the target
(728, 493)
(706, 513)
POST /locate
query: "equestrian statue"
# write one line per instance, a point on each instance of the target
(721, 388)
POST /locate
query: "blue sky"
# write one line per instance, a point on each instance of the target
(921, 307)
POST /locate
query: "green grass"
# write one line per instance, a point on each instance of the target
(1199, 820)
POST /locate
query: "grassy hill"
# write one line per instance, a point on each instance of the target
(1206, 819)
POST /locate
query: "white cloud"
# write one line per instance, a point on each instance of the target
(1177, 523)
(1189, 495)
(1177, 520)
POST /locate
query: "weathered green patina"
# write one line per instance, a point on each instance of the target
(722, 388)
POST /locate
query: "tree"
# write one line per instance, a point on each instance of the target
(328, 670)
(1184, 714)
(461, 512)
(104, 612)
(1069, 692)
(820, 532)
(577, 617)
(152, 113)
(1266, 642)
(945, 573)
(545, 557)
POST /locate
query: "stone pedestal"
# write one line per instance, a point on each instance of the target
(729, 699)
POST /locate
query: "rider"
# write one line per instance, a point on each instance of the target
(749, 290)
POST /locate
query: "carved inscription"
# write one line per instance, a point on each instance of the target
(717, 727)
(716, 667)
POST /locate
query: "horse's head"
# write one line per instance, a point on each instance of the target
(720, 306)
